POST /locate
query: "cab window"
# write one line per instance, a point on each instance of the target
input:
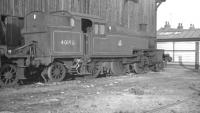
(99, 29)
(96, 29)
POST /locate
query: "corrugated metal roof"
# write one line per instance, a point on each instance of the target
(178, 33)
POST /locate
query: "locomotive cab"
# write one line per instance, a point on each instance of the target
(91, 26)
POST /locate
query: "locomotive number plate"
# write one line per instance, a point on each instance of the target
(66, 42)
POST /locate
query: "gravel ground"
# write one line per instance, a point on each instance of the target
(174, 90)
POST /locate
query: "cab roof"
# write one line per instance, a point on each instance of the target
(74, 15)
(87, 16)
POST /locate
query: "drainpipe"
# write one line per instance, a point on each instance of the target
(173, 51)
(197, 55)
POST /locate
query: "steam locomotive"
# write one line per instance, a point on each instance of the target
(61, 44)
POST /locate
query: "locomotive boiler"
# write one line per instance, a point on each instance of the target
(62, 44)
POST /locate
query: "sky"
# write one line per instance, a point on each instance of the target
(179, 11)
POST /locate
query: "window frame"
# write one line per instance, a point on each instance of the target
(143, 27)
(99, 29)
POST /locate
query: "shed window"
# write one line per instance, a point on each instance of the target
(143, 27)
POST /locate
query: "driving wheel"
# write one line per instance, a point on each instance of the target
(118, 68)
(139, 68)
(8, 75)
(56, 72)
(93, 68)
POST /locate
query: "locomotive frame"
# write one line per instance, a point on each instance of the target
(62, 43)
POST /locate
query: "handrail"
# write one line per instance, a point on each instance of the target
(65, 11)
(33, 12)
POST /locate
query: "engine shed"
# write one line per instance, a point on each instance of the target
(137, 15)
(181, 44)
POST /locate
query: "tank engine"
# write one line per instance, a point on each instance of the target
(62, 44)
